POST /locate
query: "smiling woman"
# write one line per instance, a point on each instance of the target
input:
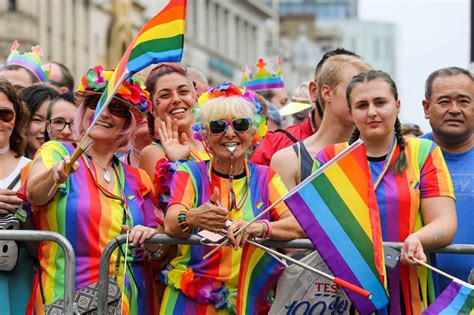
(207, 195)
(37, 99)
(102, 198)
(173, 97)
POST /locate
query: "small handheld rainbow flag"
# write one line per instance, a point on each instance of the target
(258, 275)
(457, 298)
(159, 40)
(337, 208)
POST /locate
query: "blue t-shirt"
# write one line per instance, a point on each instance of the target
(461, 168)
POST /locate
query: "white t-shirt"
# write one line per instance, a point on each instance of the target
(4, 183)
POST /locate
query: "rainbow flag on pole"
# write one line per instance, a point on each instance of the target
(159, 40)
(457, 298)
(258, 275)
(337, 208)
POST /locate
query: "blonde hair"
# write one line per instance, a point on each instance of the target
(331, 71)
(226, 107)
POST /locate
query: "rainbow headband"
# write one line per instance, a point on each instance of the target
(30, 61)
(227, 89)
(262, 80)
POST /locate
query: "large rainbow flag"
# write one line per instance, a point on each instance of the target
(337, 208)
(258, 275)
(159, 40)
(457, 298)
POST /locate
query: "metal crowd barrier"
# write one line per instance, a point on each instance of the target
(195, 240)
(69, 257)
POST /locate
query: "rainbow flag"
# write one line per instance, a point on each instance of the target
(258, 275)
(159, 40)
(457, 298)
(337, 208)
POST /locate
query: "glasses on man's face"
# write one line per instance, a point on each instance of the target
(116, 107)
(58, 124)
(220, 126)
(6, 114)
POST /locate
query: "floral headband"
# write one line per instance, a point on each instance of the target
(132, 91)
(227, 89)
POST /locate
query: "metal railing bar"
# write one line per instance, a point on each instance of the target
(196, 240)
(69, 257)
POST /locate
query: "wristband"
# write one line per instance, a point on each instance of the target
(182, 221)
(268, 234)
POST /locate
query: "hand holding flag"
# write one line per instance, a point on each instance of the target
(159, 40)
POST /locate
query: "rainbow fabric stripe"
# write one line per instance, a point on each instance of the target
(90, 218)
(399, 201)
(259, 274)
(457, 298)
(337, 209)
(160, 40)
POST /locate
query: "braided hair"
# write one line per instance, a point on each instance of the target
(401, 162)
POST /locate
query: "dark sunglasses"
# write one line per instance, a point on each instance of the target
(220, 126)
(58, 124)
(6, 114)
(116, 107)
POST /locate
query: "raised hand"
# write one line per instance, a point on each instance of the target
(176, 146)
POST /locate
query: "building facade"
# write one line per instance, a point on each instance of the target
(77, 33)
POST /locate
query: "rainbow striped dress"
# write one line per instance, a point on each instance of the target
(399, 198)
(190, 279)
(90, 217)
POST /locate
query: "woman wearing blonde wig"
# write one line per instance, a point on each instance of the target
(207, 194)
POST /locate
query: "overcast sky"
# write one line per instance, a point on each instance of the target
(431, 34)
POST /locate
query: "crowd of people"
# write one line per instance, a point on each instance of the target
(170, 154)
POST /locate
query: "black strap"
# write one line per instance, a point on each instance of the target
(289, 135)
(14, 182)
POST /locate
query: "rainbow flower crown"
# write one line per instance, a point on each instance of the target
(30, 60)
(227, 89)
(133, 90)
(262, 80)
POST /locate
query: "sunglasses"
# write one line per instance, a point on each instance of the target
(6, 114)
(220, 126)
(116, 107)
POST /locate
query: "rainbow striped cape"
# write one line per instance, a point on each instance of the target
(159, 40)
(258, 275)
(337, 208)
(457, 298)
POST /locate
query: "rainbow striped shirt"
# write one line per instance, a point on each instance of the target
(193, 184)
(399, 199)
(90, 218)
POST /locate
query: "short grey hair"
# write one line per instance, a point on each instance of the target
(443, 72)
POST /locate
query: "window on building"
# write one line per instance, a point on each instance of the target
(11, 6)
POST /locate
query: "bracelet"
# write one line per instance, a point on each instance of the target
(182, 221)
(269, 231)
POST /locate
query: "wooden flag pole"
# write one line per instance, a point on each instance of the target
(336, 280)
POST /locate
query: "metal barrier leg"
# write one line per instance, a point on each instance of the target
(69, 257)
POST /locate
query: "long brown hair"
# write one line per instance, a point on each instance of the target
(18, 137)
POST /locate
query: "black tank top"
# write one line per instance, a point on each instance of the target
(306, 164)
